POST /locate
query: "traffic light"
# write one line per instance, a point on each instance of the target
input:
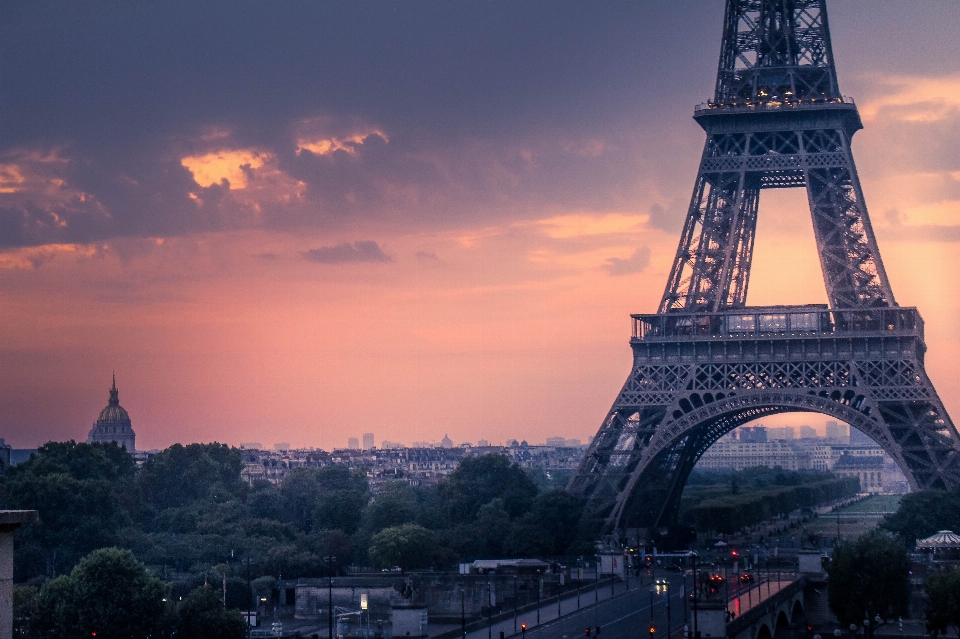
(810, 631)
(523, 631)
(653, 631)
(586, 631)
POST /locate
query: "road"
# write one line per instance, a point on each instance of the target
(625, 615)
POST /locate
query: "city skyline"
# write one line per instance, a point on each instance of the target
(453, 243)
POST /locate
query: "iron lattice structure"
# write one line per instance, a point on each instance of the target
(707, 363)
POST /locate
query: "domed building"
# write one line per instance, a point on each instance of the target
(113, 425)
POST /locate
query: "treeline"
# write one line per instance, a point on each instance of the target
(727, 502)
(924, 513)
(187, 511)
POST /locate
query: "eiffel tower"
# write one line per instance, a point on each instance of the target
(706, 362)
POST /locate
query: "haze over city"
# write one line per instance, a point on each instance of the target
(324, 220)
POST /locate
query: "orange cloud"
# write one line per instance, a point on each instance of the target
(212, 168)
(33, 257)
(914, 99)
(325, 146)
(581, 224)
(11, 179)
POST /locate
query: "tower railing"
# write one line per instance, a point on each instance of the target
(792, 321)
(774, 102)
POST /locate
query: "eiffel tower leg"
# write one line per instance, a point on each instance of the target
(852, 269)
(918, 431)
(712, 264)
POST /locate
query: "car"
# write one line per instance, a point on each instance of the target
(746, 578)
(714, 583)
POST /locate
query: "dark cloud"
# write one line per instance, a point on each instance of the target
(361, 251)
(633, 264)
(485, 110)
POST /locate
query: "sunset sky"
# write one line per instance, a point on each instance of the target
(302, 221)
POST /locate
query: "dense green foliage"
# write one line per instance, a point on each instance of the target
(187, 513)
(408, 546)
(923, 513)
(725, 502)
(84, 495)
(108, 593)
(869, 576)
(202, 616)
(943, 601)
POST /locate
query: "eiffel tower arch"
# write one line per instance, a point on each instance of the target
(706, 362)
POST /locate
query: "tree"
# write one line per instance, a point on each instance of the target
(181, 475)
(109, 593)
(309, 493)
(395, 505)
(478, 480)
(407, 546)
(105, 461)
(923, 513)
(550, 528)
(340, 510)
(202, 616)
(75, 517)
(869, 576)
(943, 601)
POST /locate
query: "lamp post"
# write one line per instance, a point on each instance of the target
(559, 596)
(463, 617)
(489, 611)
(330, 561)
(696, 631)
(515, 605)
(652, 628)
(666, 594)
(539, 584)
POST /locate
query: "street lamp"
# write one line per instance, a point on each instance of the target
(463, 618)
(330, 561)
(539, 586)
(489, 611)
(653, 589)
(515, 606)
(696, 630)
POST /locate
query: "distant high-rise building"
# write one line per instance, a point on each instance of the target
(113, 425)
(281, 447)
(556, 441)
(838, 432)
(353, 443)
(390, 445)
(368, 441)
(572, 443)
(482, 443)
(446, 442)
(753, 435)
(783, 432)
(806, 432)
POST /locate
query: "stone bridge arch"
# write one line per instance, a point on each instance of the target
(770, 618)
